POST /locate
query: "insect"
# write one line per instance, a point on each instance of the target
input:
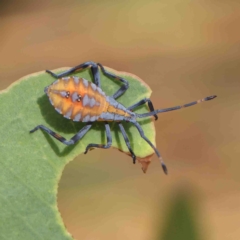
(84, 101)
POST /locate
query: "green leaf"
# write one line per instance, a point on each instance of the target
(31, 164)
(181, 222)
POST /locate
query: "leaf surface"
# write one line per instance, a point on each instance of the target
(31, 164)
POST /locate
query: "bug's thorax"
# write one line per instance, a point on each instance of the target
(115, 111)
(82, 101)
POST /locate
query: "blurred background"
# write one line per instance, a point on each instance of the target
(184, 50)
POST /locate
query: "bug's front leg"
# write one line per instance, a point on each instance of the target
(141, 102)
(141, 132)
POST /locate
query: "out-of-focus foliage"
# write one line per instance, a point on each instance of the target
(180, 219)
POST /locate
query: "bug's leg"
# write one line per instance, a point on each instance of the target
(123, 88)
(141, 102)
(127, 142)
(94, 69)
(140, 130)
(73, 140)
(109, 140)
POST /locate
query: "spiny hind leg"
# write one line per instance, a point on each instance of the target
(72, 141)
(93, 66)
(141, 102)
(126, 139)
(105, 146)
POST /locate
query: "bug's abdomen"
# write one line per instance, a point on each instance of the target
(77, 99)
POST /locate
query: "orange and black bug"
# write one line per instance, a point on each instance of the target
(83, 101)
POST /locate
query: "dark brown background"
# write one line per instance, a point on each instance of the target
(184, 50)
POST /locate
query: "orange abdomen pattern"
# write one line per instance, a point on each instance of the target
(77, 99)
